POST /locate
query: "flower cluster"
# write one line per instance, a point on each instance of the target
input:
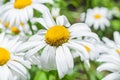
(51, 42)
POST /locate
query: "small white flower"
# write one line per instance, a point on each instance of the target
(17, 13)
(116, 11)
(57, 43)
(97, 17)
(12, 64)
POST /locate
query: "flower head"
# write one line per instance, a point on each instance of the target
(97, 17)
(11, 63)
(114, 45)
(57, 42)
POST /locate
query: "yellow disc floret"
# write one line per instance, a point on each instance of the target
(19, 4)
(4, 56)
(97, 16)
(57, 35)
(118, 51)
(6, 24)
(15, 30)
(87, 48)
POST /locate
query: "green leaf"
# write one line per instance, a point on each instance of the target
(41, 76)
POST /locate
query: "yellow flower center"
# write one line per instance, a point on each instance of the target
(97, 16)
(87, 48)
(118, 51)
(4, 56)
(6, 24)
(22, 24)
(57, 35)
(19, 4)
(15, 30)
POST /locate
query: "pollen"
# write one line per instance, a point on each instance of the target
(57, 35)
(4, 56)
(20, 4)
(15, 30)
(87, 48)
(97, 16)
(118, 51)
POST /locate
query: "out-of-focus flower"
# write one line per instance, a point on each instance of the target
(116, 11)
(115, 45)
(112, 59)
(94, 49)
(17, 13)
(57, 42)
(55, 12)
(12, 64)
(110, 63)
(97, 17)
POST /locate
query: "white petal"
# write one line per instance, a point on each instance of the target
(41, 21)
(5, 71)
(40, 7)
(79, 27)
(48, 19)
(85, 34)
(117, 37)
(62, 66)
(48, 58)
(18, 68)
(27, 45)
(112, 76)
(68, 56)
(34, 51)
(108, 67)
(62, 20)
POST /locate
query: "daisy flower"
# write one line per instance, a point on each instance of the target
(57, 42)
(116, 11)
(97, 17)
(18, 12)
(115, 45)
(12, 65)
(111, 63)
(94, 49)
(111, 59)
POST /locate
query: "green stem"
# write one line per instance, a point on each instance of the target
(85, 70)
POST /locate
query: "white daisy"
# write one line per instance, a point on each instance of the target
(111, 63)
(95, 49)
(97, 17)
(116, 11)
(112, 59)
(12, 65)
(19, 12)
(57, 42)
(115, 45)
